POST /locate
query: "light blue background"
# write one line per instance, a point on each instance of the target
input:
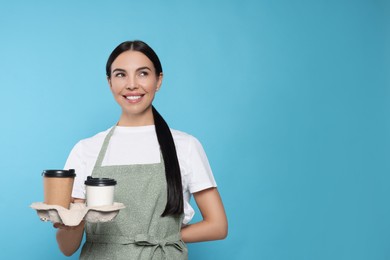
(289, 98)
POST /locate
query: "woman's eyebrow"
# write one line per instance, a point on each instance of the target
(142, 68)
(118, 69)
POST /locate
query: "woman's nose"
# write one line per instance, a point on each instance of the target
(131, 83)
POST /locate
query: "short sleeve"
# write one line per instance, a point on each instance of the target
(75, 161)
(200, 173)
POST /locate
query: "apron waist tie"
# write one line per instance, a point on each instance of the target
(140, 240)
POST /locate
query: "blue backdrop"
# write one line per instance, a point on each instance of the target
(289, 98)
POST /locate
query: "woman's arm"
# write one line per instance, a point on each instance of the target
(69, 238)
(214, 225)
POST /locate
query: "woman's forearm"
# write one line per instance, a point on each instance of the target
(69, 239)
(203, 231)
(214, 225)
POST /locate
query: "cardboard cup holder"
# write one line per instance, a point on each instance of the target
(76, 213)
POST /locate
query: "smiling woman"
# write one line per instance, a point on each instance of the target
(134, 82)
(158, 169)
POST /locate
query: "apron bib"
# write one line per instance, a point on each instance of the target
(138, 231)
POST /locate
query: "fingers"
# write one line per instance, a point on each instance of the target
(62, 226)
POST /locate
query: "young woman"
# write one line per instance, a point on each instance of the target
(156, 168)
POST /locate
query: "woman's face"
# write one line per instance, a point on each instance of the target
(134, 82)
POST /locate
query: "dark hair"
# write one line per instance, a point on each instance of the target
(134, 46)
(174, 204)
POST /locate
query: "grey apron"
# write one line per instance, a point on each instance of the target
(138, 231)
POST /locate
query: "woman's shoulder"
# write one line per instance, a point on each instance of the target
(182, 136)
(92, 142)
(185, 140)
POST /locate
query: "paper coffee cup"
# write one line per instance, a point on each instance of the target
(58, 185)
(100, 191)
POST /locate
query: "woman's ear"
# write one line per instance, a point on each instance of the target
(159, 81)
(109, 81)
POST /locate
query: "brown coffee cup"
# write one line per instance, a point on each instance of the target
(58, 185)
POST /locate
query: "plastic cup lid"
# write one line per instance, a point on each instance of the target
(99, 181)
(59, 173)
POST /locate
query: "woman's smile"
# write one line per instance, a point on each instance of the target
(133, 98)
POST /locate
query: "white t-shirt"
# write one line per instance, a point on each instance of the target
(139, 145)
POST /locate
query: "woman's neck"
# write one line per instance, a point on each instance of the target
(136, 120)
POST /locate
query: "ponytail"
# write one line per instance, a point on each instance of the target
(175, 204)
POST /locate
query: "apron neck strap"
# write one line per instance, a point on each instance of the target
(103, 150)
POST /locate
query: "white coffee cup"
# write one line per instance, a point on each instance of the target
(100, 191)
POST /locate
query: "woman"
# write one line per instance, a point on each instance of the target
(157, 170)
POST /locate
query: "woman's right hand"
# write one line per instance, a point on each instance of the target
(65, 227)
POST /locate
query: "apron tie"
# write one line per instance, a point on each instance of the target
(147, 240)
(140, 240)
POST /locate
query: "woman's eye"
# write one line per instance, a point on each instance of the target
(143, 73)
(119, 75)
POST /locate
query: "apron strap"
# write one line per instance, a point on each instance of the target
(102, 152)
